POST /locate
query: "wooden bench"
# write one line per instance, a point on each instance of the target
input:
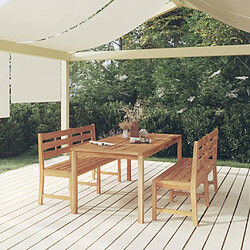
(58, 143)
(187, 175)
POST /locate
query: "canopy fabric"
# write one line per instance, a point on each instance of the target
(34, 79)
(30, 20)
(4, 85)
(116, 20)
(232, 12)
(77, 25)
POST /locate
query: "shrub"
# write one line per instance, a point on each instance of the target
(18, 133)
(234, 133)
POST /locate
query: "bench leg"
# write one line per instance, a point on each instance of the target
(171, 193)
(215, 179)
(74, 184)
(70, 194)
(119, 170)
(69, 186)
(98, 180)
(93, 174)
(154, 201)
(194, 207)
(128, 170)
(41, 189)
(206, 192)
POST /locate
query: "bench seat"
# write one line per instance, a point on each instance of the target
(84, 165)
(179, 172)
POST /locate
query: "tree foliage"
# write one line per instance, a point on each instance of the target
(190, 96)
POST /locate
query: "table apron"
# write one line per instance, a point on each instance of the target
(105, 155)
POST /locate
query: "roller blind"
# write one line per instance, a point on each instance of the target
(4, 85)
(34, 79)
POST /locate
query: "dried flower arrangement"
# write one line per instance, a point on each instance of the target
(131, 119)
(125, 125)
(134, 114)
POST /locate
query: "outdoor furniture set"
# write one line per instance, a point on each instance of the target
(187, 174)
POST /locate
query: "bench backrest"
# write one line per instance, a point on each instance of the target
(212, 147)
(59, 142)
(204, 153)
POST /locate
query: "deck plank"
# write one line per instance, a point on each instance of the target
(219, 230)
(109, 220)
(201, 233)
(48, 226)
(246, 240)
(239, 221)
(178, 224)
(153, 228)
(44, 216)
(105, 210)
(106, 238)
(183, 233)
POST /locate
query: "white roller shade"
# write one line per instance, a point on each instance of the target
(4, 85)
(34, 79)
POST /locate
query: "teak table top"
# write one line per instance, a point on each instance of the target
(123, 148)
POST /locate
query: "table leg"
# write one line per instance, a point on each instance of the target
(140, 189)
(119, 170)
(179, 149)
(129, 170)
(74, 186)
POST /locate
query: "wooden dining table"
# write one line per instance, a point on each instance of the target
(123, 149)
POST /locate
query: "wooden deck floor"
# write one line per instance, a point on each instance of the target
(109, 220)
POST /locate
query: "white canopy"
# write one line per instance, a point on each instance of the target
(70, 26)
(95, 22)
(235, 13)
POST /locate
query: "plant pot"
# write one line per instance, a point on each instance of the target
(125, 134)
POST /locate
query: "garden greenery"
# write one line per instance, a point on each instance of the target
(189, 96)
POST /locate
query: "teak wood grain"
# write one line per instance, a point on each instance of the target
(187, 175)
(56, 143)
(122, 149)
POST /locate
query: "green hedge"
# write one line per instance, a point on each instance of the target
(233, 125)
(19, 132)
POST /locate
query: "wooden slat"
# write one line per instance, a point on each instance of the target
(88, 128)
(173, 230)
(173, 211)
(109, 173)
(56, 152)
(62, 227)
(55, 134)
(55, 143)
(24, 202)
(209, 219)
(218, 233)
(110, 220)
(87, 183)
(129, 230)
(59, 197)
(90, 232)
(170, 171)
(240, 217)
(44, 222)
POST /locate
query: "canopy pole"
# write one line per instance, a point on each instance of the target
(64, 95)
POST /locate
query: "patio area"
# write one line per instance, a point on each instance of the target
(109, 220)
